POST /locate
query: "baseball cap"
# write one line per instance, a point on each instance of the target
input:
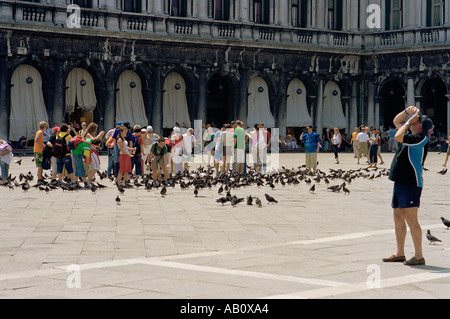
(149, 128)
(56, 129)
(119, 123)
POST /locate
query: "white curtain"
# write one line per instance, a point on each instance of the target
(175, 106)
(130, 103)
(84, 95)
(333, 114)
(297, 114)
(258, 103)
(27, 103)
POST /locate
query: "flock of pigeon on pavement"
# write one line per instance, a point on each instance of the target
(336, 180)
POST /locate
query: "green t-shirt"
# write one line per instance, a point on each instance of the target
(81, 148)
(156, 150)
(239, 134)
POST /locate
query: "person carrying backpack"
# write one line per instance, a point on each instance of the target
(80, 148)
(62, 153)
(138, 143)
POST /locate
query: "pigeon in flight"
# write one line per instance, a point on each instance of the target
(431, 238)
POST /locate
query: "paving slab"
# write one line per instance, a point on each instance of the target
(321, 245)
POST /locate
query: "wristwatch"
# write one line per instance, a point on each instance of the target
(409, 124)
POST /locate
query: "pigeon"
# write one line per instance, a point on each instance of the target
(163, 191)
(312, 189)
(443, 172)
(346, 190)
(249, 200)
(118, 200)
(446, 222)
(258, 202)
(222, 200)
(19, 161)
(120, 189)
(431, 238)
(195, 192)
(270, 199)
(220, 189)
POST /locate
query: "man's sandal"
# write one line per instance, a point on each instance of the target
(394, 259)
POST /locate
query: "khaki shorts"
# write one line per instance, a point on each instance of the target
(311, 160)
(363, 148)
(157, 162)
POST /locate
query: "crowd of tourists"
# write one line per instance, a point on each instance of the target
(72, 152)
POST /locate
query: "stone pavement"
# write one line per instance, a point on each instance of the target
(321, 245)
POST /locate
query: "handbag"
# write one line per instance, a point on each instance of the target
(46, 163)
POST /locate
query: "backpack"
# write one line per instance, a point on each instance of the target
(74, 141)
(60, 147)
(137, 145)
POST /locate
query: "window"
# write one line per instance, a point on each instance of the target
(221, 9)
(394, 12)
(178, 8)
(335, 14)
(261, 11)
(131, 5)
(83, 3)
(299, 13)
(435, 13)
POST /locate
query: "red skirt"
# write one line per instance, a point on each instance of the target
(124, 163)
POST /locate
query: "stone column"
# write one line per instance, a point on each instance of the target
(243, 101)
(321, 15)
(110, 97)
(354, 105)
(59, 107)
(319, 114)
(202, 9)
(4, 104)
(157, 7)
(410, 97)
(157, 117)
(243, 11)
(282, 108)
(371, 105)
(346, 101)
(202, 95)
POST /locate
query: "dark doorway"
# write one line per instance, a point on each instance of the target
(392, 101)
(435, 104)
(219, 101)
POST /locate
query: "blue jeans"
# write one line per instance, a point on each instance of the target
(79, 167)
(5, 169)
(64, 162)
(110, 171)
(373, 153)
(136, 161)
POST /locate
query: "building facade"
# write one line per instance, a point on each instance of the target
(286, 63)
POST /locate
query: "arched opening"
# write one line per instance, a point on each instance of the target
(333, 113)
(219, 101)
(259, 110)
(297, 114)
(81, 100)
(27, 103)
(434, 105)
(175, 106)
(130, 103)
(392, 101)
